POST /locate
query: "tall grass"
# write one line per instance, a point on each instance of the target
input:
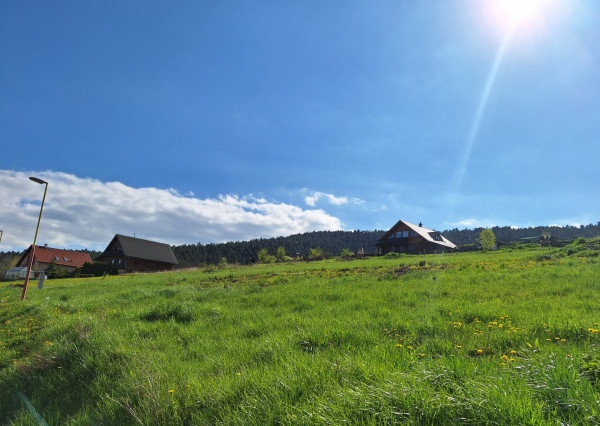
(503, 337)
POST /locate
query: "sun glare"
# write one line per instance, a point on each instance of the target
(520, 15)
(516, 11)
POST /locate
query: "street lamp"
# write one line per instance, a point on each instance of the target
(32, 253)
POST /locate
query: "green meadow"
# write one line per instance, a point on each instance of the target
(505, 337)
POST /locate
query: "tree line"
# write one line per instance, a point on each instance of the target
(330, 243)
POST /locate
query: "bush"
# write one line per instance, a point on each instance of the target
(98, 269)
(315, 254)
(265, 257)
(346, 253)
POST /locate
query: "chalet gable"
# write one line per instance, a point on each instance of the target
(408, 237)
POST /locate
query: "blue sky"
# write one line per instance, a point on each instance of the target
(270, 118)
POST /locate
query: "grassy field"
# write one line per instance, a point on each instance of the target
(506, 337)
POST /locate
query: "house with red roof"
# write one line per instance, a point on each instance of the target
(68, 260)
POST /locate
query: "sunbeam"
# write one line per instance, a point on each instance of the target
(485, 95)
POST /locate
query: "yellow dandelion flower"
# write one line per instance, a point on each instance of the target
(171, 390)
(399, 345)
(479, 351)
(513, 352)
(504, 357)
(422, 355)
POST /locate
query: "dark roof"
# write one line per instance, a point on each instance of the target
(144, 249)
(62, 257)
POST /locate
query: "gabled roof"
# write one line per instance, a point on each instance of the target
(44, 254)
(427, 234)
(144, 249)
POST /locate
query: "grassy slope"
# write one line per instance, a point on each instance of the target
(497, 337)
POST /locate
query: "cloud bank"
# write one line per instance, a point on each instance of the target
(311, 199)
(86, 213)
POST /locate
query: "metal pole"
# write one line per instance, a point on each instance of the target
(36, 180)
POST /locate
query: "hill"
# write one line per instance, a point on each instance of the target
(502, 337)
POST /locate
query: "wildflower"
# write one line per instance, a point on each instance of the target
(479, 351)
(239, 374)
(548, 340)
(458, 346)
(410, 347)
(513, 352)
(502, 364)
(399, 345)
(504, 357)
(563, 340)
(171, 390)
(512, 360)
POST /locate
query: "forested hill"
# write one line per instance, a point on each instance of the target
(333, 242)
(508, 234)
(244, 252)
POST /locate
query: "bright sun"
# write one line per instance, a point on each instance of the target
(516, 11)
(525, 16)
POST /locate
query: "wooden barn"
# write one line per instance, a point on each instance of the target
(130, 254)
(43, 256)
(405, 237)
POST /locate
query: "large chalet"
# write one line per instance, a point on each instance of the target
(130, 254)
(405, 237)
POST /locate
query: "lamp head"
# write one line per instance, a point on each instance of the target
(37, 180)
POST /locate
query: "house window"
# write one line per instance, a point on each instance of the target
(56, 258)
(65, 259)
(120, 261)
(113, 261)
(410, 247)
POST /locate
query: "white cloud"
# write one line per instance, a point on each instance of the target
(84, 212)
(472, 223)
(311, 199)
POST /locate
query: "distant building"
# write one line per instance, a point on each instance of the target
(130, 254)
(405, 237)
(67, 260)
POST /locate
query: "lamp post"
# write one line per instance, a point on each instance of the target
(32, 253)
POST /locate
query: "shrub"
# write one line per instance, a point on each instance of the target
(98, 269)
(265, 257)
(315, 254)
(346, 253)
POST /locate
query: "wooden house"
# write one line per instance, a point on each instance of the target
(130, 254)
(68, 260)
(405, 237)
